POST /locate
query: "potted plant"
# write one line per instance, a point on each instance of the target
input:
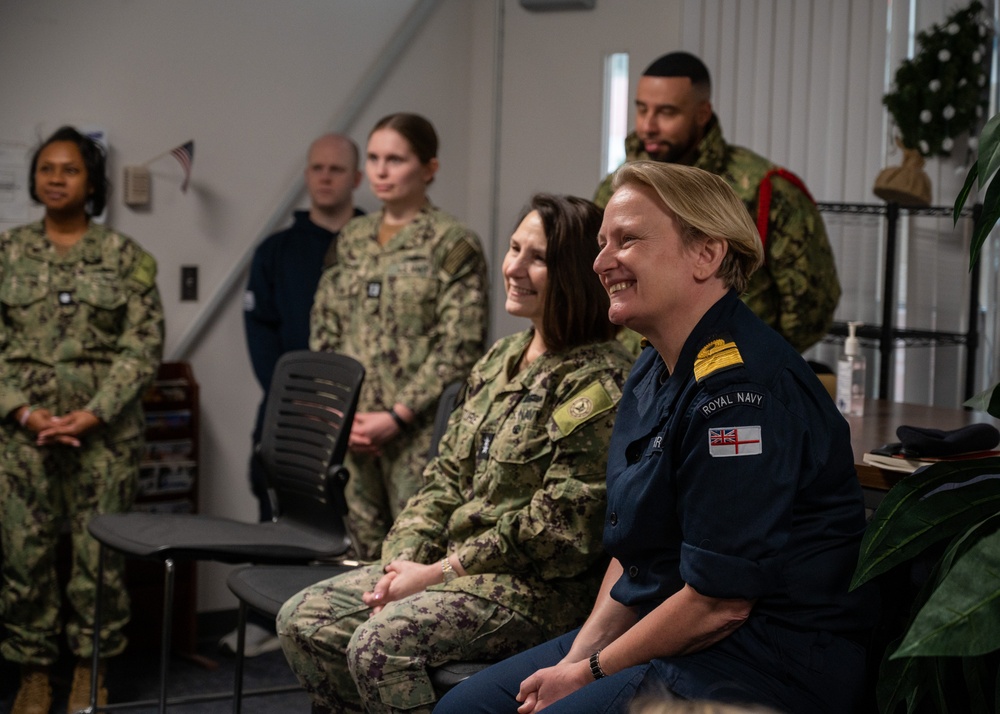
(946, 516)
(936, 95)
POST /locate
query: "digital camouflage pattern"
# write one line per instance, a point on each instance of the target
(797, 289)
(517, 493)
(80, 330)
(344, 657)
(414, 313)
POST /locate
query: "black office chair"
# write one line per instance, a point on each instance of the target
(310, 407)
(265, 588)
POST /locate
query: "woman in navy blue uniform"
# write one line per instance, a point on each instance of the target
(734, 513)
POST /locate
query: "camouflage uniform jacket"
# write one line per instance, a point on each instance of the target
(797, 289)
(81, 330)
(517, 492)
(413, 312)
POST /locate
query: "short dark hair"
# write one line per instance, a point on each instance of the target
(680, 64)
(94, 161)
(576, 304)
(417, 131)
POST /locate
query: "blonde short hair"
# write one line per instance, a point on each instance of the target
(703, 206)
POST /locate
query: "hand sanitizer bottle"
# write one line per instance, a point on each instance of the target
(851, 375)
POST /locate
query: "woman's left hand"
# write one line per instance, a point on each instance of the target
(402, 578)
(549, 685)
(67, 429)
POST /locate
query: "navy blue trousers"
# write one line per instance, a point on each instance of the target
(760, 663)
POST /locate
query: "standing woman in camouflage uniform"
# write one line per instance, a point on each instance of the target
(81, 334)
(502, 546)
(405, 294)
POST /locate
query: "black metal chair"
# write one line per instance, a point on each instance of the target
(310, 407)
(266, 588)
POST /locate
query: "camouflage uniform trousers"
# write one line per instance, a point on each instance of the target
(41, 489)
(379, 486)
(350, 661)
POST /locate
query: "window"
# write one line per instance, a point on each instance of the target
(615, 112)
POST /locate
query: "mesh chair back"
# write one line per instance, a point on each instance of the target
(310, 407)
(446, 405)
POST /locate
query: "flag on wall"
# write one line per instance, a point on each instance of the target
(185, 155)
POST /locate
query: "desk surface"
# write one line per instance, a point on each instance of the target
(878, 427)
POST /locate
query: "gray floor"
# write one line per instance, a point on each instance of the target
(135, 676)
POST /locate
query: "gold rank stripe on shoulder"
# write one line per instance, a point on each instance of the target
(716, 356)
(457, 257)
(145, 271)
(576, 410)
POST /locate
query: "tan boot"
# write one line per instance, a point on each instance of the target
(79, 694)
(35, 694)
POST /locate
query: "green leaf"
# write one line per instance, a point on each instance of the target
(989, 150)
(987, 219)
(926, 507)
(987, 400)
(964, 193)
(962, 616)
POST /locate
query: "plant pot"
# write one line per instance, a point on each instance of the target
(908, 185)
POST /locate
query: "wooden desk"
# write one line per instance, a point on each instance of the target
(878, 427)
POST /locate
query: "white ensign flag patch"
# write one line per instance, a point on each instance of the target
(734, 441)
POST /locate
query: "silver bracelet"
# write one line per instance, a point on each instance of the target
(25, 416)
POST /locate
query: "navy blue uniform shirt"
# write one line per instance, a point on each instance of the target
(735, 475)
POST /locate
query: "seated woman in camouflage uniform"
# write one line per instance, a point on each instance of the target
(501, 548)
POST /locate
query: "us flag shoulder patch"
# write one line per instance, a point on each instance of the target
(734, 441)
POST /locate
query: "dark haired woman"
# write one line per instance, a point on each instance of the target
(406, 296)
(501, 548)
(81, 334)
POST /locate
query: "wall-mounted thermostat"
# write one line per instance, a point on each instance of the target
(136, 186)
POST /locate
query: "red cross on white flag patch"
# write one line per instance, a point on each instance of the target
(734, 441)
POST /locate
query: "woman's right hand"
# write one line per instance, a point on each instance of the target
(402, 578)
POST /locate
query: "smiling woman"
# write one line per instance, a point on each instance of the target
(81, 334)
(500, 548)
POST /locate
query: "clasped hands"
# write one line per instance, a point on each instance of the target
(402, 578)
(66, 430)
(371, 430)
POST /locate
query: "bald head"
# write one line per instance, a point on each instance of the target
(331, 176)
(336, 142)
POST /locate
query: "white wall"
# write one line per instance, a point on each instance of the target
(253, 82)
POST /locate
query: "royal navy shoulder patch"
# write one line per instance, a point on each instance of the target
(717, 356)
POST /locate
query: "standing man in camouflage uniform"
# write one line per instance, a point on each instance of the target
(797, 290)
(502, 546)
(81, 334)
(406, 296)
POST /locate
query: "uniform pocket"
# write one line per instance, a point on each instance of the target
(407, 690)
(104, 296)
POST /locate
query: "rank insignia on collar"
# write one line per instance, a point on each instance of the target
(716, 356)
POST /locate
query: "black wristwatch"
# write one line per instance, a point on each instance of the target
(595, 666)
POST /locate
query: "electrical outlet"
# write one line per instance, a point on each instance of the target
(189, 282)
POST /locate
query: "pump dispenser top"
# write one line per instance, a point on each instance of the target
(852, 348)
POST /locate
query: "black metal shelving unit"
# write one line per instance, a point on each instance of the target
(886, 335)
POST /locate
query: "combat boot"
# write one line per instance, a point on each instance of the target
(79, 693)
(35, 694)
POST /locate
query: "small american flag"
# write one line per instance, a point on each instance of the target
(185, 155)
